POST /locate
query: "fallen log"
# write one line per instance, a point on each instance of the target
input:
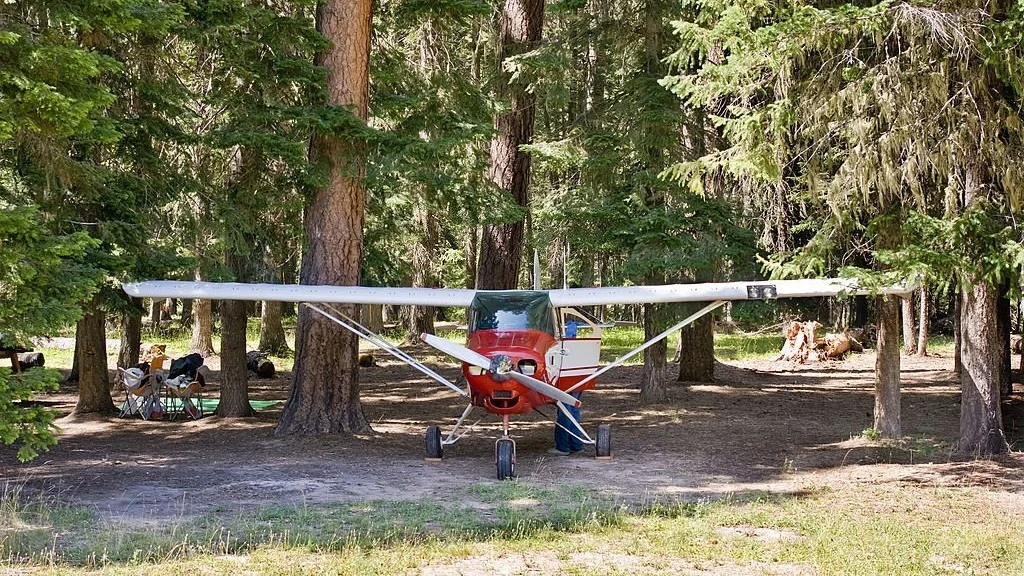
(802, 344)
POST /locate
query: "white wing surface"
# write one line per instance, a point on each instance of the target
(712, 292)
(302, 293)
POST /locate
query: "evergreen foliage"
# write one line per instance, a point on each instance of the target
(43, 280)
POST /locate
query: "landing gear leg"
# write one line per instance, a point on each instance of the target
(505, 453)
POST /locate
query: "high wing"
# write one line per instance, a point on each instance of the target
(606, 296)
(302, 293)
(463, 297)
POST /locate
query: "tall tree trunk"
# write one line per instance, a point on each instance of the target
(981, 420)
(272, 336)
(1005, 355)
(420, 319)
(922, 326)
(958, 333)
(472, 254)
(324, 396)
(156, 313)
(697, 351)
(909, 339)
(887, 420)
(131, 339)
(652, 387)
(234, 375)
(372, 316)
(860, 311)
(186, 313)
(202, 324)
(501, 245)
(72, 377)
(93, 381)
(981, 351)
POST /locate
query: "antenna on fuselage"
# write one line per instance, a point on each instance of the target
(536, 270)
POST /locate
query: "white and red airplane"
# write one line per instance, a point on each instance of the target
(525, 348)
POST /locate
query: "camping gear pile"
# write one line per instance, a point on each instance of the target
(181, 386)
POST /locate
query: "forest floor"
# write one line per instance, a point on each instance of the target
(763, 426)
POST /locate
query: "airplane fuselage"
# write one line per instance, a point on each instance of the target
(532, 337)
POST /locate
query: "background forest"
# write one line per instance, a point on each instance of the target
(639, 142)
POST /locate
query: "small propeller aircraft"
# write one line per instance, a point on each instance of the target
(525, 349)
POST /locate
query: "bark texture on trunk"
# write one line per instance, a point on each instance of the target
(156, 312)
(131, 339)
(958, 334)
(981, 348)
(652, 387)
(501, 245)
(697, 351)
(887, 419)
(324, 395)
(922, 325)
(372, 316)
(272, 336)
(909, 334)
(420, 319)
(234, 375)
(202, 324)
(1005, 354)
(93, 380)
(202, 328)
(981, 421)
(72, 377)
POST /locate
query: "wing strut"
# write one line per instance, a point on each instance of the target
(586, 437)
(689, 320)
(378, 341)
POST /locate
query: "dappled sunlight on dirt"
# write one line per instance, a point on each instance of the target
(760, 427)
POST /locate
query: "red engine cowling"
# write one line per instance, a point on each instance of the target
(526, 349)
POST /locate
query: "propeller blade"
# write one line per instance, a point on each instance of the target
(543, 387)
(456, 351)
(476, 359)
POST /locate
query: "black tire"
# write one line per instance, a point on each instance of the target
(434, 448)
(505, 455)
(604, 441)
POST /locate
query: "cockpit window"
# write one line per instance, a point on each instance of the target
(512, 311)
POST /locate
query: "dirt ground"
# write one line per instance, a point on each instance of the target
(763, 426)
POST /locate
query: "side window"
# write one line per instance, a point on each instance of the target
(576, 325)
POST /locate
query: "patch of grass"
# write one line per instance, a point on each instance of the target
(736, 346)
(863, 529)
(744, 346)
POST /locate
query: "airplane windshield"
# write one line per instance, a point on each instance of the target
(511, 311)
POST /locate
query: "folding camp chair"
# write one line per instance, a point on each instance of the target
(180, 393)
(142, 394)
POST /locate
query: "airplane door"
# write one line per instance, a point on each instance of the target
(579, 348)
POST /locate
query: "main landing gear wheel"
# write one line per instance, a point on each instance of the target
(505, 456)
(604, 441)
(434, 449)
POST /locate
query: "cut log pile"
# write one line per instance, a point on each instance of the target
(803, 345)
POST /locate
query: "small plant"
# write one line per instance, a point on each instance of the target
(871, 434)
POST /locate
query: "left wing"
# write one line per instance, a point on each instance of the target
(714, 291)
(302, 293)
